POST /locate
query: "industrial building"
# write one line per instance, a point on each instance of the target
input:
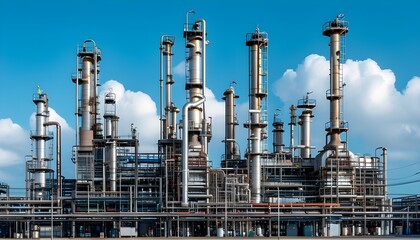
(118, 191)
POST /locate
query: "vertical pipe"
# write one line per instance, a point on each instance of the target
(161, 89)
(185, 120)
(112, 156)
(77, 98)
(58, 155)
(292, 124)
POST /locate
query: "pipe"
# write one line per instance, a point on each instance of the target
(161, 88)
(58, 153)
(185, 172)
(204, 138)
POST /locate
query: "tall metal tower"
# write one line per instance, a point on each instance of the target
(257, 122)
(39, 179)
(196, 128)
(336, 30)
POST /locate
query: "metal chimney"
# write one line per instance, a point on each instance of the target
(258, 44)
(336, 30)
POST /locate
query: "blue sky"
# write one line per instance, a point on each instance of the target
(38, 41)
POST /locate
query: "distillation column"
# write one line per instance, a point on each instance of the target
(169, 124)
(111, 135)
(89, 57)
(335, 30)
(257, 43)
(305, 122)
(231, 151)
(38, 167)
(87, 108)
(196, 130)
(278, 142)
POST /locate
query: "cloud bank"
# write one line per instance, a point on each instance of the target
(378, 114)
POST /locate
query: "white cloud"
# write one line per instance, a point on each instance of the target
(378, 114)
(13, 143)
(137, 108)
(179, 69)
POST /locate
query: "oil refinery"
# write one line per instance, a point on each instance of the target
(283, 190)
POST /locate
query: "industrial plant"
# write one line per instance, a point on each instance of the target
(271, 189)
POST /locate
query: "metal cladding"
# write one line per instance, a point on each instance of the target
(231, 151)
(336, 30)
(258, 44)
(305, 122)
(38, 167)
(196, 129)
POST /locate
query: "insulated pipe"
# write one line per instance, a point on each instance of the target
(58, 154)
(204, 138)
(185, 141)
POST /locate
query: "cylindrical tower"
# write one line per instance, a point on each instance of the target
(258, 44)
(336, 30)
(231, 152)
(111, 133)
(196, 130)
(38, 167)
(87, 77)
(305, 122)
(166, 44)
(278, 142)
(292, 125)
(194, 82)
